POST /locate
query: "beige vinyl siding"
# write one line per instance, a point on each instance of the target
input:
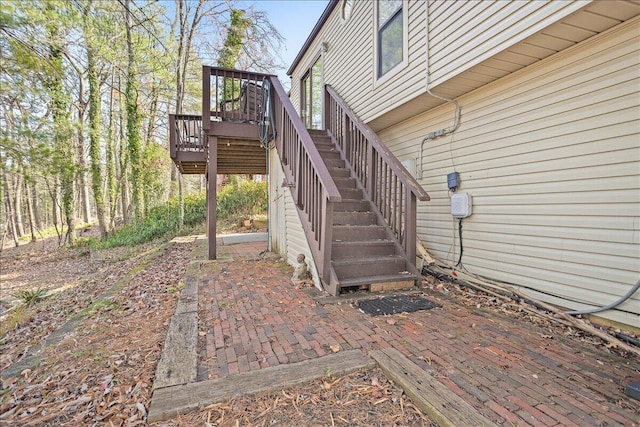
(465, 33)
(349, 67)
(551, 157)
(277, 226)
(287, 235)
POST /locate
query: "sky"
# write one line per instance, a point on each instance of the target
(295, 20)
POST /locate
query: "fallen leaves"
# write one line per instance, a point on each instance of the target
(360, 398)
(101, 371)
(520, 309)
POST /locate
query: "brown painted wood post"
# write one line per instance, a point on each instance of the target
(371, 171)
(206, 97)
(327, 109)
(410, 226)
(298, 175)
(212, 172)
(326, 239)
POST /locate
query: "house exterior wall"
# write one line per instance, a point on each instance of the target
(462, 34)
(342, 61)
(286, 232)
(465, 33)
(551, 157)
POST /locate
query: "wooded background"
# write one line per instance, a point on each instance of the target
(86, 89)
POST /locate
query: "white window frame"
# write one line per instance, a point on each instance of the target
(378, 80)
(319, 54)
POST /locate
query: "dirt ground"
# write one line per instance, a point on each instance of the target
(100, 372)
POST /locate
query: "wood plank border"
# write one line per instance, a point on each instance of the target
(179, 358)
(177, 400)
(431, 396)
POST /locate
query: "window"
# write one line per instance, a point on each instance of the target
(311, 96)
(346, 9)
(390, 34)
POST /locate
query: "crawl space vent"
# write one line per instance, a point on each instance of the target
(396, 304)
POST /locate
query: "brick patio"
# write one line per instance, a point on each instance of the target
(252, 317)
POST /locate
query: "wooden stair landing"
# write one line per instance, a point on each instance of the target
(364, 254)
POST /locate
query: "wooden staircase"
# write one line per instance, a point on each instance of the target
(364, 254)
(356, 202)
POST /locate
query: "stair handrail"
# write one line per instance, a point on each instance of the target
(305, 170)
(397, 167)
(387, 183)
(314, 155)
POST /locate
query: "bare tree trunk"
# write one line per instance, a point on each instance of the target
(85, 201)
(55, 200)
(123, 163)
(17, 204)
(149, 138)
(83, 186)
(11, 225)
(124, 199)
(35, 206)
(32, 219)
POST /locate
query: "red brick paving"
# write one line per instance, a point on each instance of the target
(253, 317)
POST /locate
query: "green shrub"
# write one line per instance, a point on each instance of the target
(160, 222)
(85, 244)
(241, 199)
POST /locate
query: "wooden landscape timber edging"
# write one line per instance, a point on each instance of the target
(169, 402)
(179, 359)
(432, 397)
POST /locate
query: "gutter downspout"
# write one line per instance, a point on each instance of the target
(456, 122)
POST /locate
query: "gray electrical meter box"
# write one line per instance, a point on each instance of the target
(461, 205)
(453, 180)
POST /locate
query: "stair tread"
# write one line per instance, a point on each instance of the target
(355, 212)
(381, 242)
(367, 259)
(361, 226)
(354, 281)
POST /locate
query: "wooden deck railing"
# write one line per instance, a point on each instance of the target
(185, 134)
(388, 184)
(313, 188)
(232, 95)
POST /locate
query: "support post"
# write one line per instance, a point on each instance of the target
(206, 97)
(326, 116)
(346, 136)
(410, 226)
(326, 239)
(212, 171)
(371, 173)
